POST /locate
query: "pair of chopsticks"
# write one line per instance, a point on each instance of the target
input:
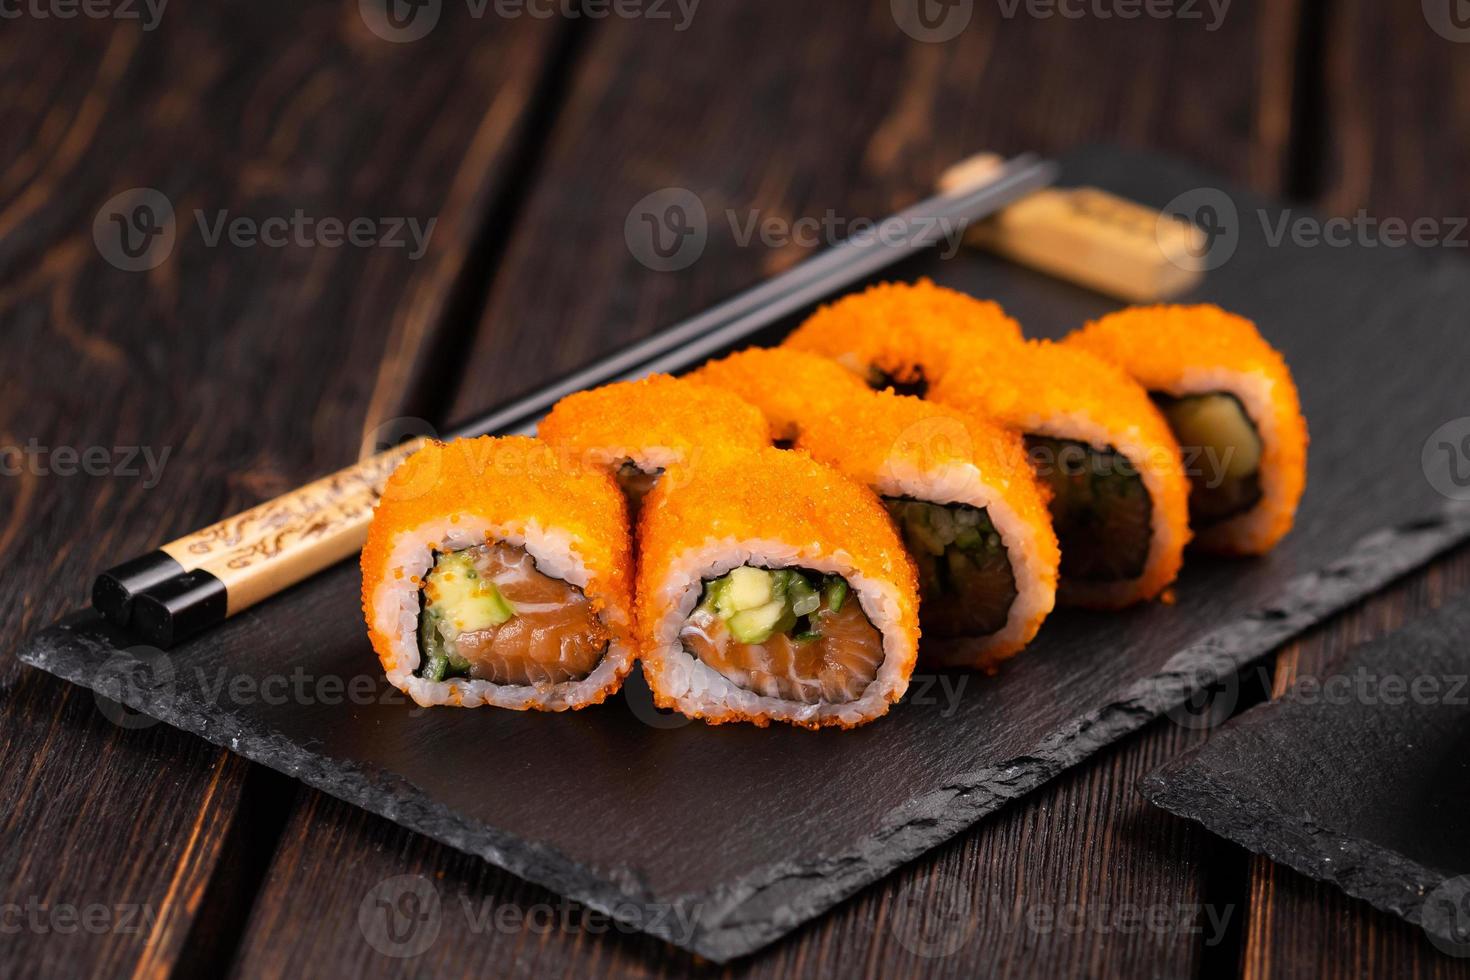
(196, 582)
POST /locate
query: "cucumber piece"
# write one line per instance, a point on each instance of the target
(717, 597)
(942, 522)
(750, 588)
(969, 539)
(787, 622)
(804, 599)
(432, 658)
(920, 528)
(835, 593)
(1217, 422)
(757, 625)
(807, 636)
(434, 664)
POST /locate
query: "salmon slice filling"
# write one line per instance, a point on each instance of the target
(1222, 453)
(488, 613)
(965, 579)
(1102, 512)
(792, 634)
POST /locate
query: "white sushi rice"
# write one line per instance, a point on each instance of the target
(1254, 391)
(699, 690)
(395, 613)
(1163, 538)
(963, 483)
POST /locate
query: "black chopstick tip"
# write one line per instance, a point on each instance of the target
(174, 610)
(114, 590)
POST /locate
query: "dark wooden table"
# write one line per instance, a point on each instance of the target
(529, 139)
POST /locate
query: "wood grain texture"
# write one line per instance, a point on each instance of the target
(252, 367)
(836, 110)
(1396, 142)
(1396, 100)
(843, 112)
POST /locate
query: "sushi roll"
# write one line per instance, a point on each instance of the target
(1230, 399)
(959, 489)
(901, 335)
(636, 429)
(788, 386)
(773, 588)
(971, 514)
(496, 572)
(1119, 496)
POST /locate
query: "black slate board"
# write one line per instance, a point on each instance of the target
(723, 839)
(1359, 777)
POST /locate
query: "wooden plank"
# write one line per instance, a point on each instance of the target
(252, 368)
(1390, 148)
(786, 111)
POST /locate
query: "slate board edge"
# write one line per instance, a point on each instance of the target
(922, 824)
(1297, 842)
(741, 918)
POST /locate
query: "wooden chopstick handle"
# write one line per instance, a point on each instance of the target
(236, 562)
(1088, 236)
